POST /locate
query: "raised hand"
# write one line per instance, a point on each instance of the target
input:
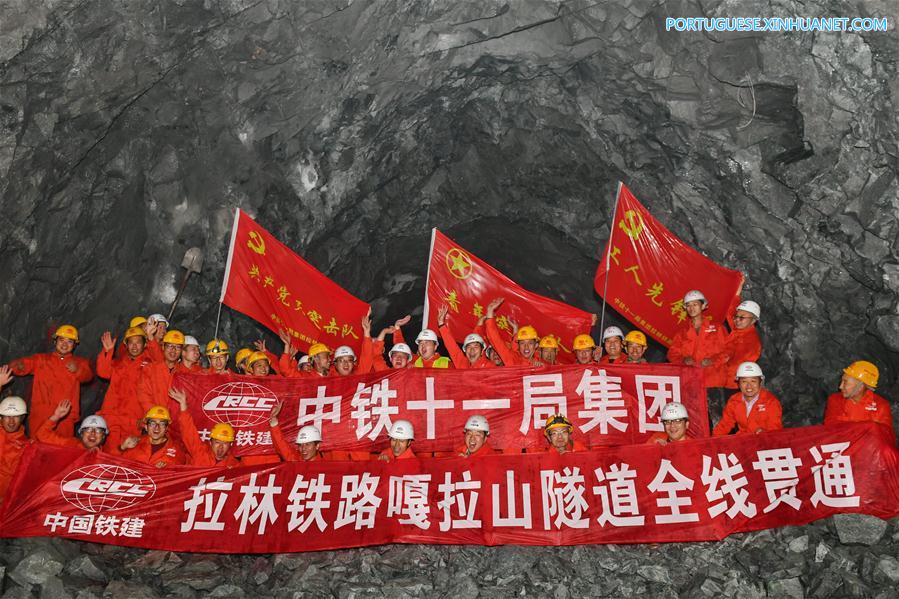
(129, 443)
(5, 375)
(179, 396)
(402, 321)
(108, 341)
(492, 306)
(366, 324)
(441, 315)
(62, 410)
(273, 416)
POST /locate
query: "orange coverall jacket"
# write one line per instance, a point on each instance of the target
(11, 447)
(708, 342)
(869, 407)
(509, 356)
(742, 345)
(121, 407)
(765, 414)
(48, 432)
(460, 360)
(53, 383)
(170, 453)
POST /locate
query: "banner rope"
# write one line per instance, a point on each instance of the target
(605, 285)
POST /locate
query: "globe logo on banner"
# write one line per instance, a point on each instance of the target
(105, 488)
(240, 404)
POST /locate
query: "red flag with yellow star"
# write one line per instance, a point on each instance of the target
(466, 284)
(268, 282)
(650, 270)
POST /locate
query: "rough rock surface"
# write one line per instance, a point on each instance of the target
(788, 562)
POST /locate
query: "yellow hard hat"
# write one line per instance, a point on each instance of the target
(864, 371)
(583, 342)
(636, 337)
(158, 413)
(135, 332)
(242, 354)
(549, 342)
(526, 332)
(174, 337)
(318, 348)
(557, 421)
(217, 347)
(255, 357)
(137, 321)
(222, 432)
(67, 331)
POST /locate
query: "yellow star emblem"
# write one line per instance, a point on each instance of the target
(458, 263)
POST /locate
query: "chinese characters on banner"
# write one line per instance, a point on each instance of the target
(650, 270)
(699, 490)
(466, 284)
(608, 405)
(265, 280)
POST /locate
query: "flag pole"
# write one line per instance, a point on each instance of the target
(426, 306)
(218, 317)
(605, 285)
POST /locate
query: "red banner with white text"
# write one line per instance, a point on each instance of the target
(609, 405)
(268, 282)
(698, 490)
(465, 284)
(650, 270)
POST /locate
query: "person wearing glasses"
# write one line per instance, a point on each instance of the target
(743, 343)
(676, 420)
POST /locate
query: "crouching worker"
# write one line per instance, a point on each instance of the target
(476, 432)
(676, 421)
(12, 439)
(401, 436)
(215, 452)
(856, 400)
(91, 433)
(308, 440)
(752, 410)
(155, 447)
(558, 434)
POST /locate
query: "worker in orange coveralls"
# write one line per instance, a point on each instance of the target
(401, 435)
(613, 344)
(156, 377)
(856, 401)
(156, 448)
(58, 375)
(476, 430)
(91, 432)
(216, 451)
(701, 342)
(676, 421)
(743, 343)
(472, 353)
(121, 408)
(558, 433)
(754, 409)
(12, 439)
(526, 339)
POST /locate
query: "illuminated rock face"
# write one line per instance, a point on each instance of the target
(130, 131)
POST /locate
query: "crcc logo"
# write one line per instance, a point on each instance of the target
(105, 488)
(239, 404)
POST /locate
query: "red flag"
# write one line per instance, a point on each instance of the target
(466, 284)
(266, 281)
(650, 270)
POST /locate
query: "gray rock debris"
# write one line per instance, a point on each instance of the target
(859, 528)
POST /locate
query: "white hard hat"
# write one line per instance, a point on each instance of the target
(159, 318)
(401, 348)
(747, 369)
(612, 332)
(304, 360)
(309, 434)
(751, 307)
(477, 423)
(343, 351)
(13, 406)
(474, 338)
(94, 421)
(427, 335)
(674, 411)
(695, 295)
(402, 430)
(188, 340)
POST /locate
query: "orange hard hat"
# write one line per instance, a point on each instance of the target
(256, 356)
(174, 337)
(158, 413)
(242, 354)
(864, 371)
(549, 342)
(318, 348)
(636, 337)
(67, 331)
(135, 332)
(583, 342)
(222, 432)
(526, 333)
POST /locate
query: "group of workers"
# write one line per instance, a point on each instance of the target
(136, 422)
